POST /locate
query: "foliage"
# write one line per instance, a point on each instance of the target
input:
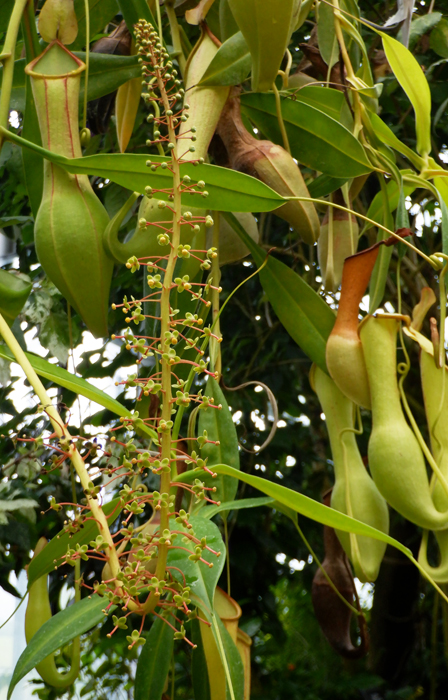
(365, 120)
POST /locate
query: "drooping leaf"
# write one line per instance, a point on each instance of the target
(387, 136)
(328, 43)
(316, 140)
(198, 576)
(303, 313)
(232, 657)
(241, 504)
(199, 674)
(376, 208)
(409, 74)
(231, 65)
(58, 631)
(133, 10)
(227, 189)
(51, 555)
(154, 662)
(220, 428)
(324, 184)
(310, 508)
(69, 381)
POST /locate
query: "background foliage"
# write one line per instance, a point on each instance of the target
(270, 567)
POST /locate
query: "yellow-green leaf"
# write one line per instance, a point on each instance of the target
(409, 74)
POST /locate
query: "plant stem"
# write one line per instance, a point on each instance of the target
(87, 62)
(215, 346)
(62, 433)
(175, 36)
(166, 326)
(7, 57)
(281, 123)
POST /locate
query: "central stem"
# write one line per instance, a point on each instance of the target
(165, 343)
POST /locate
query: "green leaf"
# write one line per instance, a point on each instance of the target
(303, 313)
(101, 12)
(54, 335)
(438, 41)
(50, 556)
(220, 428)
(154, 662)
(199, 675)
(14, 220)
(231, 64)
(387, 136)
(232, 658)
(420, 26)
(201, 578)
(14, 291)
(376, 208)
(323, 185)
(241, 504)
(310, 508)
(228, 190)
(328, 100)
(106, 73)
(5, 13)
(76, 384)
(326, 34)
(133, 10)
(315, 139)
(58, 631)
(409, 74)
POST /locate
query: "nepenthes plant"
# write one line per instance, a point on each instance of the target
(160, 145)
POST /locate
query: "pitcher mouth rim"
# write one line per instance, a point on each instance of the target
(29, 68)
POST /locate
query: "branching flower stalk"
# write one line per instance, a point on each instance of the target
(163, 93)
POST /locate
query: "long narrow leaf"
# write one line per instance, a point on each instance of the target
(316, 139)
(61, 377)
(220, 429)
(303, 313)
(201, 578)
(228, 190)
(241, 504)
(409, 74)
(310, 508)
(58, 631)
(154, 662)
(51, 555)
(231, 65)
